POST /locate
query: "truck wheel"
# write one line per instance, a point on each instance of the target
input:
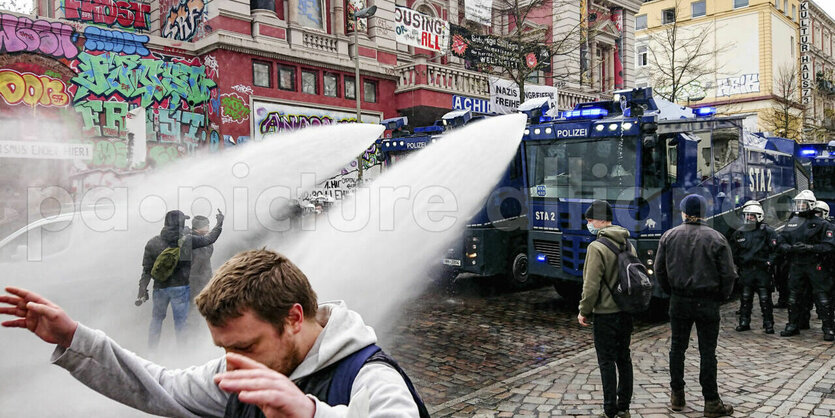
(519, 278)
(569, 291)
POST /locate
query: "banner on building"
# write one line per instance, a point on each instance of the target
(273, 118)
(45, 150)
(419, 30)
(472, 104)
(504, 95)
(805, 61)
(479, 11)
(480, 51)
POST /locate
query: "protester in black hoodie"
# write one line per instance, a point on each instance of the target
(175, 289)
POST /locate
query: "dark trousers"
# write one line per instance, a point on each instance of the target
(612, 336)
(704, 313)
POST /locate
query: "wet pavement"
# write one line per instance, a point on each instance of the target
(485, 353)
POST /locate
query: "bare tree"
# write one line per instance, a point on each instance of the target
(682, 57)
(785, 117)
(532, 47)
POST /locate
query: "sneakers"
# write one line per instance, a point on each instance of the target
(677, 400)
(718, 409)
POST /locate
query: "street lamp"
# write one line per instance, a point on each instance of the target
(359, 14)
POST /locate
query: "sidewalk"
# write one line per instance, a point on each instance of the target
(760, 375)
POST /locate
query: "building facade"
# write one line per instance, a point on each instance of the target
(817, 72)
(96, 90)
(743, 56)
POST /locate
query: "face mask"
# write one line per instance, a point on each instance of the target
(592, 229)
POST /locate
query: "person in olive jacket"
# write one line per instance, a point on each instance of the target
(612, 327)
(175, 289)
(695, 266)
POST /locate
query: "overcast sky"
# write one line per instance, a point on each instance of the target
(828, 5)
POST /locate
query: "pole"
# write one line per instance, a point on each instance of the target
(357, 67)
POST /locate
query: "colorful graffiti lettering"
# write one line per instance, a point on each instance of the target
(110, 153)
(145, 80)
(278, 122)
(233, 108)
(214, 141)
(231, 140)
(163, 154)
(93, 111)
(172, 123)
(49, 38)
(184, 20)
(126, 14)
(98, 39)
(32, 89)
(240, 88)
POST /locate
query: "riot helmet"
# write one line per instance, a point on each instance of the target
(753, 212)
(822, 208)
(804, 202)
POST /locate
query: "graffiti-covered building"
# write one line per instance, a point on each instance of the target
(96, 90)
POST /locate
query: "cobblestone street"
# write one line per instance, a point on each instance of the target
(502, 355)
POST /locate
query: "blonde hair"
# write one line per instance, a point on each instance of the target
(263, 281)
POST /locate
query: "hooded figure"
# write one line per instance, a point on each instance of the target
(175, 289)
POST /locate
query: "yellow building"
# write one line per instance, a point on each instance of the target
(741, 56)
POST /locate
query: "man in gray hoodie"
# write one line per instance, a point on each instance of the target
(612, 327)
(287, 356)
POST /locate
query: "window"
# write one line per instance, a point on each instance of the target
(310, 82)
(668, 16)
(286, 78)
(261, 74)
(740, 3)
(786, 7)
(310, 13)
(331, 84)
(794, 12)
(533, 77)
(697, 8)
(642, 55)
(791, 43)
(777, 4)
(725, 147)
(369, 90)
(640, 22)
(350, 88)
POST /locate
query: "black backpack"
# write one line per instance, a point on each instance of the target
(634, 286)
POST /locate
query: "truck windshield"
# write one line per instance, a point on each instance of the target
(824, 181)
(601, 168)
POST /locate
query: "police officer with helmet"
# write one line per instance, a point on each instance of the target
(754, 248)
(806, 239)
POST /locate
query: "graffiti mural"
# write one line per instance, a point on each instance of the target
(184, 20)
(32, 89)
(233, 108)
(746, 83)
(97, 39)
(271, 118)
(21, 34)
(123, 14)
(144, 81)
(240, 88)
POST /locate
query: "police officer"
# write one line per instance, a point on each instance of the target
(754, 248)
(806, 238)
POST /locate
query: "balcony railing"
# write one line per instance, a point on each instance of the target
(466, 83)
(319, 42)
(441, 78)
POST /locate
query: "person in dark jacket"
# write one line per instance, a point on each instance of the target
(612, 327)
(755, 248)
(695, 266)
(201, 262)
(175, 289)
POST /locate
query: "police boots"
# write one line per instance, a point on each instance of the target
(767, 310)
(824, 308)
(791, 327)
(745, 305)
